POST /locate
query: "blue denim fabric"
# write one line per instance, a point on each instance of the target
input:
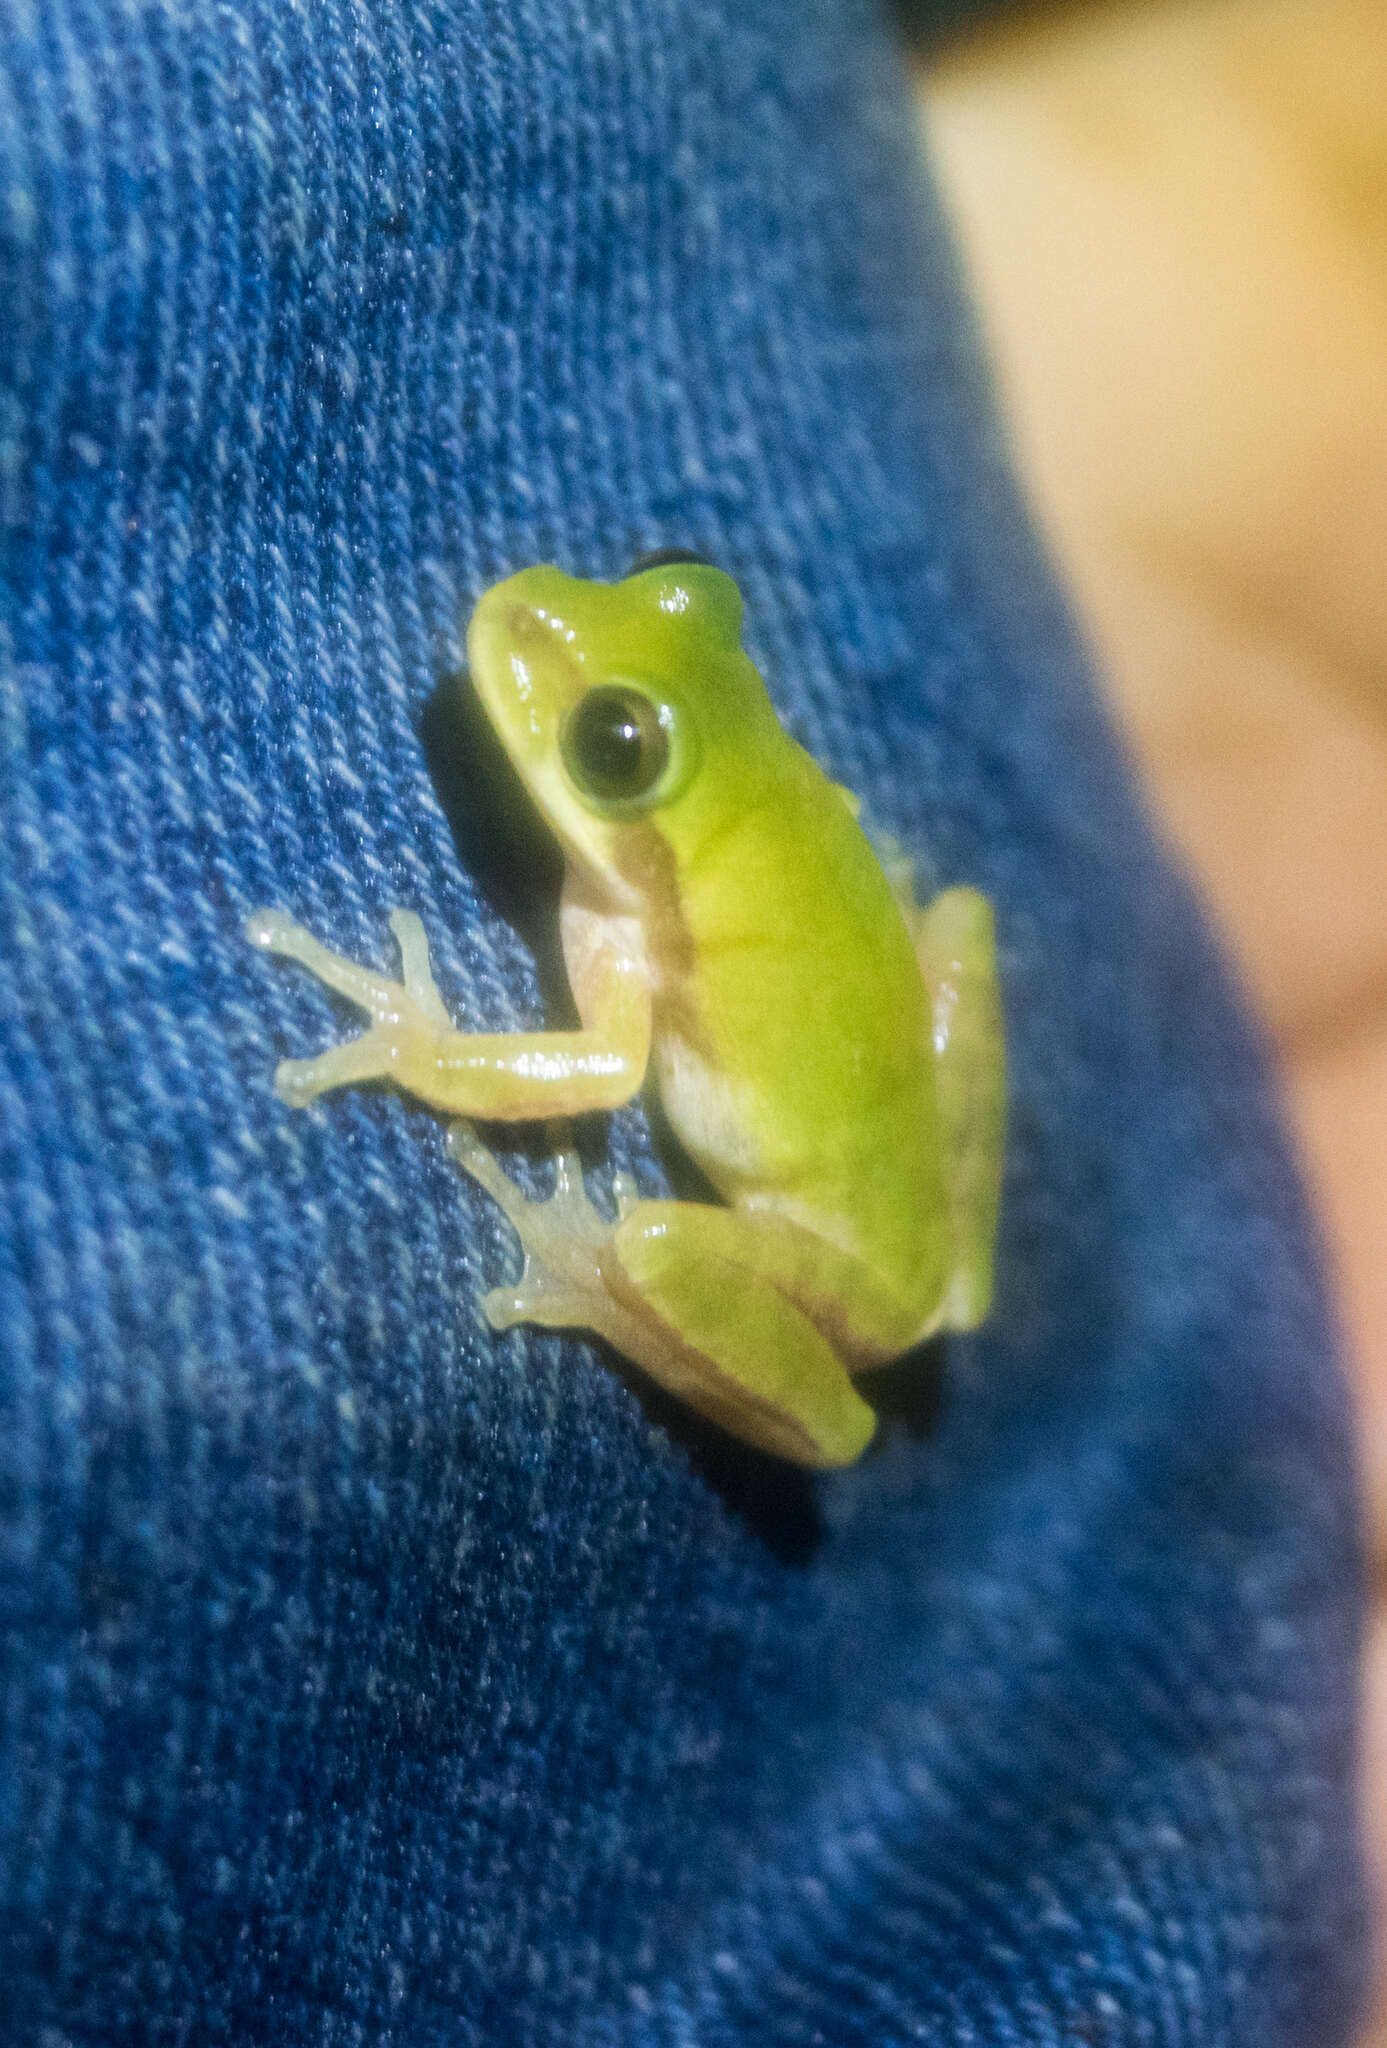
(372, 1679)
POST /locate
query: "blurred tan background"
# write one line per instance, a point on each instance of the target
(1175, 215)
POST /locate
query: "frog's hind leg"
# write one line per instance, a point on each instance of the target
(674, 1287)
(723, 1337)
(956, 946)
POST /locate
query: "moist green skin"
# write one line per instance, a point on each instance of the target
(829, 1054)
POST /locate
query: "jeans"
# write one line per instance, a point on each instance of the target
(369, 1678)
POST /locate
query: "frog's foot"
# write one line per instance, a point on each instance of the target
(675, 1288)
(563, 1240)
(407, 1016)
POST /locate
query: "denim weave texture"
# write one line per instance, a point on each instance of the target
(372, 1679)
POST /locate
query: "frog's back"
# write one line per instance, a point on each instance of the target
(792, 1030)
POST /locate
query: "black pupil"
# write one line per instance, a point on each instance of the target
(616, 744)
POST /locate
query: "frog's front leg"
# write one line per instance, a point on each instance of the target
(686, 1292)
(505, 1075)
(955, 943)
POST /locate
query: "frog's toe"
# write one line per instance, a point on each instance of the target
(270, 930)
(367, 1058)
(297, 1082)
(419, 983)
(274, 932)
(568, 1170)
(467, 1151)
(504, 1307)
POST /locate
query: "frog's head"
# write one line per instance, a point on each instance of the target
(626, 708)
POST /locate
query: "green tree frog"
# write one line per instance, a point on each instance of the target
(829, 1056)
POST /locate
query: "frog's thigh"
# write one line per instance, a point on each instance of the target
(725, 1340)
(956, 947)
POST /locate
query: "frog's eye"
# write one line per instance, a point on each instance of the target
(615, 744)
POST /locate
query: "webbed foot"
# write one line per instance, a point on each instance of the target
(563, 1239)
(407, 1017)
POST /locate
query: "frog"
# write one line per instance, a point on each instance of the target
(828, 1054)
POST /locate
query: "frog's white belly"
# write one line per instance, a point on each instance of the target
(710, 1115)
(714, 1123)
